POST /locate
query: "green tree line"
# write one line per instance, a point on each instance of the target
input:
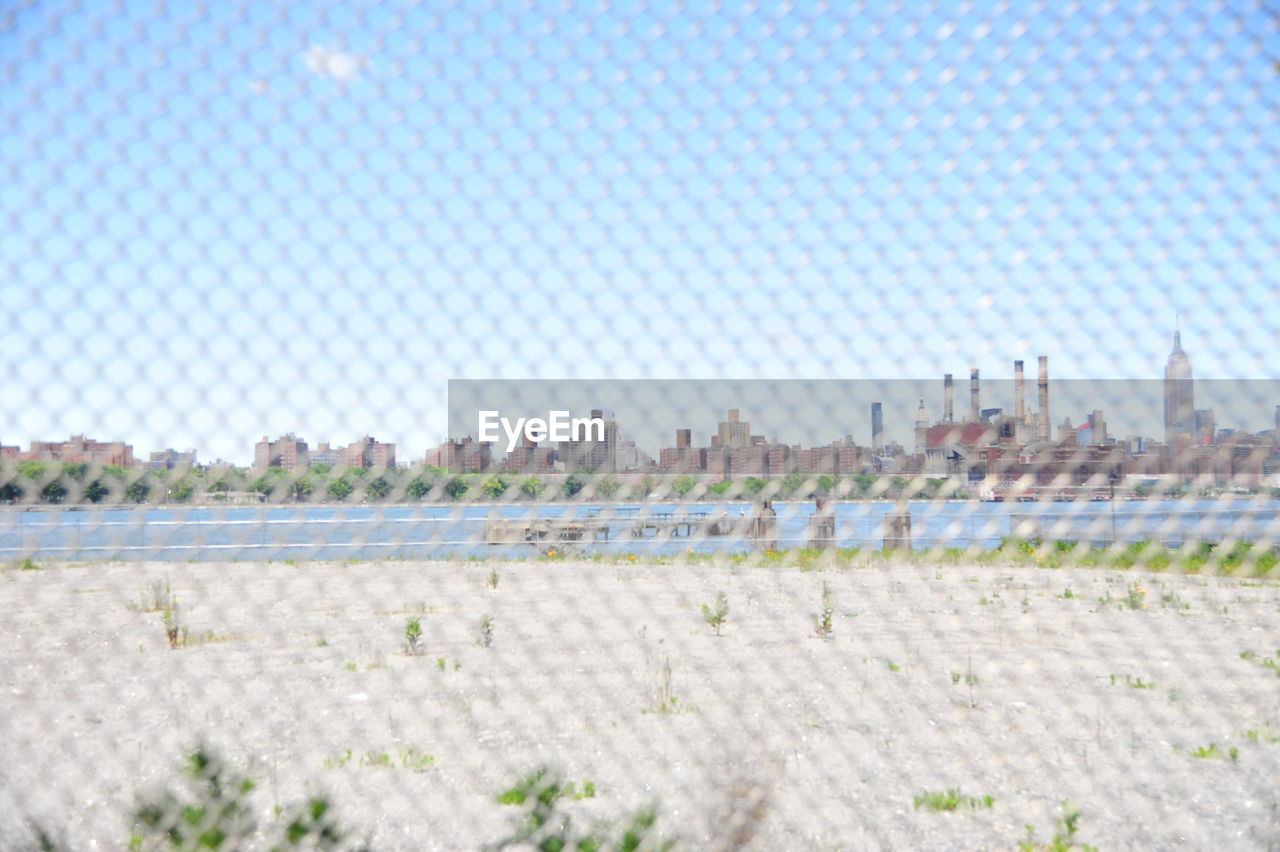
(50, 483)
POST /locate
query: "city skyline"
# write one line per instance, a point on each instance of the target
(809, 413)
(225, 221)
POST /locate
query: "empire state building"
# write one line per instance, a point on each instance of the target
(1179, 393)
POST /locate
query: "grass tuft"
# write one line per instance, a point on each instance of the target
(951, 800)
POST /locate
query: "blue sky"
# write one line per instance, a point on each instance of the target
(242, 219)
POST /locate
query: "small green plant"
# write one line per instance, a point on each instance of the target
(961, 677)
(1209, 752)
(173, 629)
(1267, 734)
(543, 825)
(413, 636)
(665, 700)
(208, 637)
(494, 577)
(219, 813)
(1270, 663)
(717, 616)
(337, 762)
(1136, 596)
(311, 826)
(951, 800)
(29, 565)
(554, 789)
(156, 598)
(485, 638)
(1063, 837)
(893, 667)
(351, 667)
(216, 813)
(1067, 594)
(824, 624)
(411, 758)
(405, 757)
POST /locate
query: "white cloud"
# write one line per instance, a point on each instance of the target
(336, 64)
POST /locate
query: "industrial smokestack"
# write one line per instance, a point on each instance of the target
(1042, 430)
(948, 398)
(975, 412)
(1019, 392)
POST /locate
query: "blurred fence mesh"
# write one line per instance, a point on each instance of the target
(295, 278)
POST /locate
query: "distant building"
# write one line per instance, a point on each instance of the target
(81, 450)
(631, 459)
(325, 454)
(747, 461)
(529, 457)
(777, 458)
(731, 433)
(169, 459)
(1098, 426)
(462, 455)
(683, 457)
(922, 426)
(839, 457)
(596, 453)
(368, 452)
(1179, 393)
(950, 448)
(1204, 426)
(287, 452)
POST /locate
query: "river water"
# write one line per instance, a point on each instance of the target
(367, 532)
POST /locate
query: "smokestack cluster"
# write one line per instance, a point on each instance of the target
(975, 411)
(1019, 392)
(1042, 430)
(948, 399)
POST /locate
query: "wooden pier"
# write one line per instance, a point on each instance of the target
(546, 530)
(595, 527)
(686, 525)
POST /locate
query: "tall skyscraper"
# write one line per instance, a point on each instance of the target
(1179, 393)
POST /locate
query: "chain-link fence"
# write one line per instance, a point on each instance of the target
(446, 425)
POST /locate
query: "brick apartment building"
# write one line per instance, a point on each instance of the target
(598, 454)
(528, 457)
(291, 453)
(368, 452)
(80, 450)
(462, 455)
(286, 451)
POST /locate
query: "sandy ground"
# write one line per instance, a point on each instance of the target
(986, 680)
